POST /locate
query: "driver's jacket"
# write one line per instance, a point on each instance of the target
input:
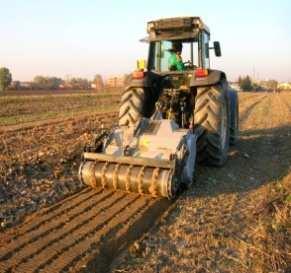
(176, 63)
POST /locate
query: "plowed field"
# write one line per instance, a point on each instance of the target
(87, 229)
(234, 219)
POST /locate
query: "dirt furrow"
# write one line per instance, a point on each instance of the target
(245, 98)
(119, 236)
(66, 236)
(54, 224)
(247, 111)
(73, 233)
(88, 244)
(37, 221)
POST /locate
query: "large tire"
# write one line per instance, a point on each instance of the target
(132, 107)
(212, 115)
(234, 117)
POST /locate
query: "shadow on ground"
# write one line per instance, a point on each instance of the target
(261, 156)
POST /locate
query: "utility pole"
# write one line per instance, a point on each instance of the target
(254, 73)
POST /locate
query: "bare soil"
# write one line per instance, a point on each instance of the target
(39, 163)
(56, 92)
(40, 106)
(237, 218)
(234, 219)
(85, 231)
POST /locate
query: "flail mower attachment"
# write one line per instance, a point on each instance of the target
(154, 158)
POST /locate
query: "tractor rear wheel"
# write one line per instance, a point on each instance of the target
(132, 107)
(212, 115)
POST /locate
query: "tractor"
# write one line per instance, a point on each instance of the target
(174, 113)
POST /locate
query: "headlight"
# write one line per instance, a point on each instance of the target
(150, 27)
(197, 23)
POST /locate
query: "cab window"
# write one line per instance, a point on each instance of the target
(161, 53)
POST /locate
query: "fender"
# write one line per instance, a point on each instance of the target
(138, 83)
(214, 77)
(150, 80)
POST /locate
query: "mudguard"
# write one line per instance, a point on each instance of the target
(150, 80)
(214, 77)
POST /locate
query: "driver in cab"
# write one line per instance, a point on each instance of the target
(175, 59)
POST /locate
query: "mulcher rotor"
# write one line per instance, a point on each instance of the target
(142, 162)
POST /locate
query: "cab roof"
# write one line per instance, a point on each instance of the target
(177, 28)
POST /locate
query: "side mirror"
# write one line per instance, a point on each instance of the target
(217, 49)
(141, 64)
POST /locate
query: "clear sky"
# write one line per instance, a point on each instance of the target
(84, 37)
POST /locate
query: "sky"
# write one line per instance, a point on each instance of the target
(81, 38)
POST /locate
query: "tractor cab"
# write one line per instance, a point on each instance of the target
(193, 56)
(193, 36)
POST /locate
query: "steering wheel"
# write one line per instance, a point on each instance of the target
(189, 65)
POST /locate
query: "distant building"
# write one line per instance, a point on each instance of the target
(116, 81)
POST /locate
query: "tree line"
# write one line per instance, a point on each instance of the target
(54, 83)
(48, 83)
(248, 84)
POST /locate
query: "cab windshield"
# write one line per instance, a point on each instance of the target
(163, 52)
